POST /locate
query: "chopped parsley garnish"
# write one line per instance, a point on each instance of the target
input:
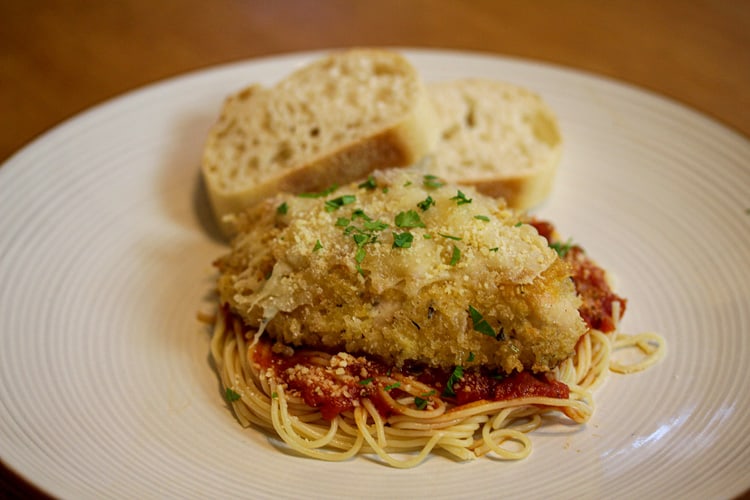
(456, 256)
(230, 395)
(365, 381)
(470, 358)
(318, 246)
(360, 214)
(394, 385)
(385, 190)
(363, 235)
(458, 373)
(426, 203)
(369, 183)
(518, 224)
(432, 181)
(461, 198)
(362, 239)
(402, 240)
(282, 209)
(321, 194)
(427, 236)
(482, 217)
(360, 255)
(421, 401)
(407, 183)
(480, 324)
(339, 202)
(374, 225)
(450, 237)
(342, 221)
(494, 249)
(562, 248)
(409, 218)
(275, 395)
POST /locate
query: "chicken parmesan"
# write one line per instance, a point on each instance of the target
(403, 314)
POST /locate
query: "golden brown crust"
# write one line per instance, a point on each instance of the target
(297, 275)
(282, 139)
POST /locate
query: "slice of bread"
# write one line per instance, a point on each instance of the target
(502, 139)
(332, 121)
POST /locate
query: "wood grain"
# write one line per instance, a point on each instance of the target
(59, 57)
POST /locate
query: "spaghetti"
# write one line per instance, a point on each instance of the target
(419, 419)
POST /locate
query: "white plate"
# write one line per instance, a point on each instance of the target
(106, 389)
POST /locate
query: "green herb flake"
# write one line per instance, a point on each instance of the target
(407, 183)
(375, 225)
(470, 358)
(518, 224)
(409, 218)
(339, 202)
(360, 214)
(321, 194)
(385, 190)
(458, 373)
(231, 395)
(360, 255)
(432, 181)
(480, 324)
(562, 249)
(402, 240)
(369, 183)
(456, 256)
(461, 198)
(451, 237)
(494, 249)
(275, 395)
(426, 203)
(365, 381)
(422, 401)
(342, 222)
(318, 246)
(360, 239)
(482, 217)
(427, 236)
(282, 209)
(394, 385)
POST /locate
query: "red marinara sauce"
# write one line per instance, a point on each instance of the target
(338, 383)
(590, 281)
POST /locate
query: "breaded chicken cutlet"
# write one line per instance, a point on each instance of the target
(405, 268)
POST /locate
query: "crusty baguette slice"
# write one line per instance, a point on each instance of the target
(500, 138)
(332, 121)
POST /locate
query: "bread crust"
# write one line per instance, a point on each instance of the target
(500, 138)
(400, 141)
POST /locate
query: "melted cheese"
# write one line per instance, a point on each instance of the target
(326, 287)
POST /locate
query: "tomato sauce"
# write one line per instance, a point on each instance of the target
(337, 387)
(590, 281)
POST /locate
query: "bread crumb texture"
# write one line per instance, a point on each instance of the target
(398, 267)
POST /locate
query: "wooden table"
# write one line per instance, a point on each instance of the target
(59, 57)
